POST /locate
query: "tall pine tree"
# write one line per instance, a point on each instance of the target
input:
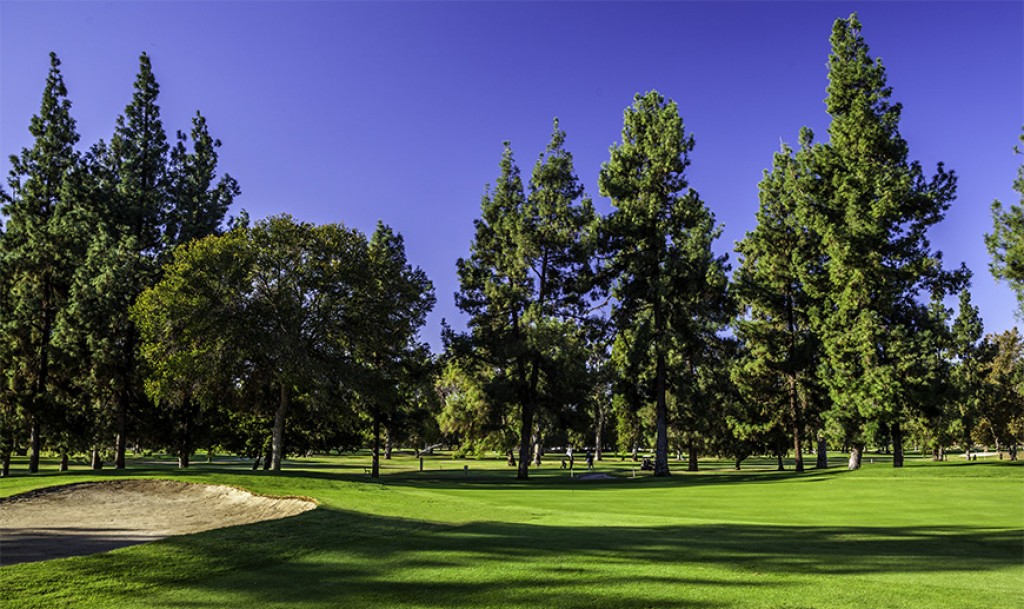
(524, 287)
(396, 305)
(966, 376)
(670, 287)
(873, 218)
(197, 199)
(134, 202)
(778, 367)
(42, 246)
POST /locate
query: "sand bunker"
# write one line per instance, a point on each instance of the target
(98, 516)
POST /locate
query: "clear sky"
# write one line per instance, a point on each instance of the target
(357, 111)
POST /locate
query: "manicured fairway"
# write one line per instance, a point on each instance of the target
(931, 535)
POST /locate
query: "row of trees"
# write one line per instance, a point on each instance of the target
(85, 234)
(833, 326)
(130, 310)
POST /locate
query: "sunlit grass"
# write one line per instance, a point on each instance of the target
(940, 535)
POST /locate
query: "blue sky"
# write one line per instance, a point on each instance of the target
(357, 111)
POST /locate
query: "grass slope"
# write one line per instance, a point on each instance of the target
(942, 535)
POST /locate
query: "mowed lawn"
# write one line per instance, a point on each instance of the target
(930, 535)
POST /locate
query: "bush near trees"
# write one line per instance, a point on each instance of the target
(133, 313)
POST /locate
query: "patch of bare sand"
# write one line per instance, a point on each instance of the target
(92, 517)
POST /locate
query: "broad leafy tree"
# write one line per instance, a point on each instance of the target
(669, 286)
(191, 342)
(274, 310)
(1001, 411)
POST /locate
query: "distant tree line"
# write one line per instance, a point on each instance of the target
(132, 311)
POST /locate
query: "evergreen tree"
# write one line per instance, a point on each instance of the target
(1006, 242)
(42, 245)
(198, 201)
(524, 287)
(966, 380)
(669, 286)
(131, 201)
(778, 368)
(10, 416)
(148, 198)
(937, 393)
(138, 162)
(392, 358)
(873, 220)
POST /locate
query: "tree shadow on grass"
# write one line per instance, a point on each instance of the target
(332, 557)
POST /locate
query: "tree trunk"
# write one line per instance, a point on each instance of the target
(780, 465)
(691, 465)
(277, 441)
(538, 448)
(121, 427)
(389, 444)
(599, 435)
(661, 415)
(34, 446)
(798, 454)
(256, 461)
(1012, 449)
(95, 462)
(185, 441)
(821, 458)
(525, 430)
(5, 465)
(375, 447)
(510, 458)
(795, 407)
(935, 454)
(856, 454)
(63, 467)
(636, 450)
(897, 444)
(738, 461)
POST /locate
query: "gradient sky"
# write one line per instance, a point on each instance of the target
(356, 111)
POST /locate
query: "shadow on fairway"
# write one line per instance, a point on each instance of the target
(547, 479)
(331, 557)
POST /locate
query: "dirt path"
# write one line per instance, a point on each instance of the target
(99, 516)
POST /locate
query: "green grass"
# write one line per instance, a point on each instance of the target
(930, 535)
